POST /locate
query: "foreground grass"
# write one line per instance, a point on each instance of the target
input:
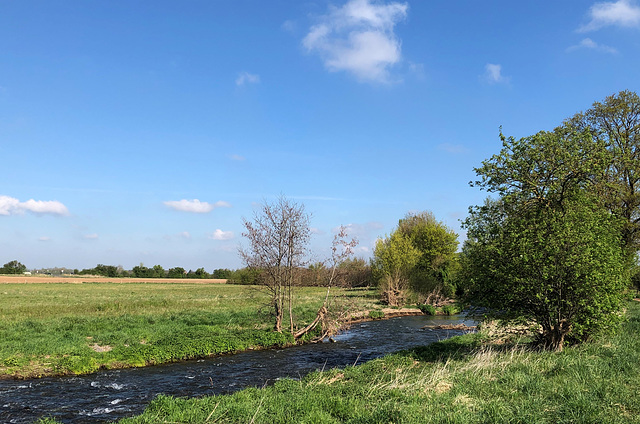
(460, 380)
(52, 329)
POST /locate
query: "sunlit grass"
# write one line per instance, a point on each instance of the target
(460, 380)
(78, 328)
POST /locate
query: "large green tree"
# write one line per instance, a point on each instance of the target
(615, 122)
(546, 250)
(437, 245)
(394, 259)
(13, 267)
(417, 257)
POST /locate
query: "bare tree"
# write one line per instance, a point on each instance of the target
(278, 244)
(341, 250)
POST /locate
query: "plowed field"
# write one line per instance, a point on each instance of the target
(91, 279)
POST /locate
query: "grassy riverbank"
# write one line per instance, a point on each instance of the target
(53, 329)
(461, 380)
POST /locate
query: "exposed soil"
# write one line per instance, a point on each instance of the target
(92, 279)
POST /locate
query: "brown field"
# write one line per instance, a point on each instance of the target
(93, 279)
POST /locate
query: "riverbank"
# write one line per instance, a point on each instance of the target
(53, 329)
(465, 379)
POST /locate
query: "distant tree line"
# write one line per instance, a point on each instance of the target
(354, 272)
(157, 271)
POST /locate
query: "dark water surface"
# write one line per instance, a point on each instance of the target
(109, 395)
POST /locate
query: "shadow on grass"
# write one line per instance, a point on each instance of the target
(458, 347)
(464, 346)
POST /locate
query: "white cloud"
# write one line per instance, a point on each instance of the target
(185, 235)
(92, 236)
(623, 13)
(195, 205)
(221, 235)
(247, 78)
(44, 238)
(13, 206)
(493, 74)
(359, 38)
(237, 158)
(588, 43)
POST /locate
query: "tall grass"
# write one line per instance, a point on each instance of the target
(48, 329)
(461, 380)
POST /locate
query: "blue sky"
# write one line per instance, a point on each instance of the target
(144, 131)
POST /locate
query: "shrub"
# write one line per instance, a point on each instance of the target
(376, 314)
(427, 309)
(450, 310)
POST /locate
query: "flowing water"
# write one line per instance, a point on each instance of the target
(109, 395)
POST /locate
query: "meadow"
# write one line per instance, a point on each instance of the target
(465, 379)
(61, 328)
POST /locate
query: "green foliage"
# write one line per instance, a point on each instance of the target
(177, 272)
(616, 123)
(245, 276)
(427, 309)
(450, 310)
(547, 251)
(419, 256)
(222, 274)
(13, 267)
(394, 259)
(376, 314)
(437, 245)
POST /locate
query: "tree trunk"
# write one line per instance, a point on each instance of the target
(278, 312)
(554, 338)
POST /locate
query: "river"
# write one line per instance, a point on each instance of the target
(109, 395)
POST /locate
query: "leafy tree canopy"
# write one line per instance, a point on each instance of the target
(13, 267)
(547, 250)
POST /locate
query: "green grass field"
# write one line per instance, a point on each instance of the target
(461, 380)
(52, 329)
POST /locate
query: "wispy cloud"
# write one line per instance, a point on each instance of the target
(361, 231)
(44, 238)
(247, 78)
(315, 230)
(238, 158)
(359, 38)
(493, 74)
(589, 44)
(92, 236)
(195, 205)
(622, 13)
(455, 149)
(289, 26)
(13, 206)
(221, 235)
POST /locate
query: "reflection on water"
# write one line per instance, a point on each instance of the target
(109, 395)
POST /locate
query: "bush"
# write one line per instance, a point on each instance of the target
(450, 310)
(427, 309)
(376, 314)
